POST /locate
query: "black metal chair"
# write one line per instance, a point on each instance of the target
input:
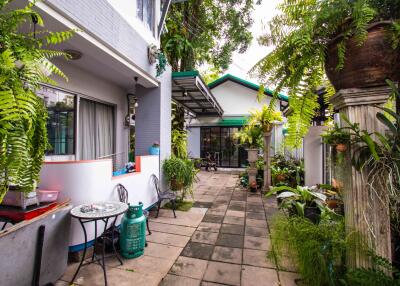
(123, 198)
(163, 196)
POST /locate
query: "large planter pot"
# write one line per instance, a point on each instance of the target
(252, 155)
(367, 65)
(176, 185)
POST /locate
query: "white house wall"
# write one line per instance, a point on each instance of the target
(194, 142)
(96, 88)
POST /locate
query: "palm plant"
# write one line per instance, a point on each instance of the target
(302, 33)
(265, 117)
(250, 136)
(24, 64)
(179, 143)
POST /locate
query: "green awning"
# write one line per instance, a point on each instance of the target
(238, 121)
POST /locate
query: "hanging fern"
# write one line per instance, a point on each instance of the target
(300, 33)
(23, 116)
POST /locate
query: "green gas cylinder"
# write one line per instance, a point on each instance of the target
(133, 232)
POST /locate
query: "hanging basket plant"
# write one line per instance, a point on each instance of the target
(156, 56)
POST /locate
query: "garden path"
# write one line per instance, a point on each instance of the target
(222, 240)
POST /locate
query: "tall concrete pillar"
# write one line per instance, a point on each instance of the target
(365, 212)
(267, 160)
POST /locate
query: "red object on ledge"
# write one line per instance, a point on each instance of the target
(17, 214)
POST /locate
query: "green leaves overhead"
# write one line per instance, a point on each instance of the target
(23, 116)
(300, 34)
(206, 31)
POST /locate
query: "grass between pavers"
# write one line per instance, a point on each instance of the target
(183, 206)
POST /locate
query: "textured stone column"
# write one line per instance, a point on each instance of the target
(267, 160)
(364, 211)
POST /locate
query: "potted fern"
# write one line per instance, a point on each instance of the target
(354, 43)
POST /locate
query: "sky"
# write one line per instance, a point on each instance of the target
(242, 63)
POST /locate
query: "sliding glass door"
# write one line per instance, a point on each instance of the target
(220, 142)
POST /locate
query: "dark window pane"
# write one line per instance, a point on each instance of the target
(61, 121)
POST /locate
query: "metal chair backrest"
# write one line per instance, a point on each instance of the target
(122, 193)
(156, 184)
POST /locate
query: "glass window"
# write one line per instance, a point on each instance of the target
(145, 12)
(61, 122)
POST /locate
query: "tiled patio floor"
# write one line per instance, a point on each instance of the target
(223, 240)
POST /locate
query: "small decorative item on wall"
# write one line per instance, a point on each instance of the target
(155, 55)
(155, 148)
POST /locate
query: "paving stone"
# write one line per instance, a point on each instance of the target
(257, 258)
(198, 204)
(170, 228)
(230, 240)
(234, 220)
(223, 273)
(253, 198)
(271, 211)
(174, 280)
(235, 207)
(232, 229)
(189, 267)
(227, 254)
(255, 204)
(209, 226)
(256, 276)
(253, 215)
(256, 231)
(286, 264)
(204, 283)
(162, 250)
(235, 213)
(145, 264)
(254, 208)
(167, 238)
(288, 278)
(260, 243)
(256, 222)
(204, 237)
(198, 250)
(218, 212)
(213, 218)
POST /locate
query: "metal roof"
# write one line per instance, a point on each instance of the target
(189, 90)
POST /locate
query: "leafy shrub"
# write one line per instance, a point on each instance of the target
(287, 171)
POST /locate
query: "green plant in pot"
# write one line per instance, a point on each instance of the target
(301, 201)
(337, 137)
(179, 143)
(266, 117)
(181, 175)
(250, 137)
(353, 43)
(25, 63)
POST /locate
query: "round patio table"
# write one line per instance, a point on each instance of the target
(101, 211)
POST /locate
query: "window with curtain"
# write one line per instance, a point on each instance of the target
(145, 12)
(96, 129)
(61, 122)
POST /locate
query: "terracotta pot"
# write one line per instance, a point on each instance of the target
(341, 147)
(332, 203)
(367, 65)
(281, 177)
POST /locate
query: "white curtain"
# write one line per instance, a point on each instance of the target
(96, 130)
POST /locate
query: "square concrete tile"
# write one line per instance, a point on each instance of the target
(255, 208)
(254, 198)
(256, 231)
(286, 264)
(162, 251)
(198, 250)
(256, 222)
(213, 218)
(288, 278)
(209, 226)
(271, 211)
(232, 213)
(218, 212)
(204, 237)
(223, 273)
(253, 215)
(255, 276)
(234, 220)
(260, 243)
(170, 228)
(146, 264)
(167, 238)
(257, 258)
(230, 240)
(174, 280)
(227, 254)
(189, 267)
(198, 204)
(210, 284)
(232, 229)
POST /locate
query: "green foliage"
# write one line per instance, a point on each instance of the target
(318, 250)
(206, 31)
(181, 174)
(336, 135)
(266, 117)
(161, 63)
(287, 171)
(183, 206)
(250, 136)
(23, 116)
(179, 143)
(300, 33)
